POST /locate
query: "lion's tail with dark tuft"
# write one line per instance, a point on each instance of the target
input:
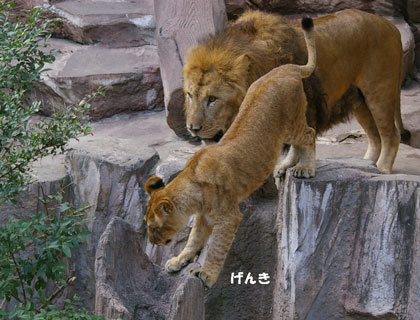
(308, 26)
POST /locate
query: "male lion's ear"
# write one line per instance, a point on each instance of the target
(153, 184)
(165, 207)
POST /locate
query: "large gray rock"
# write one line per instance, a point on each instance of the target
(180, 24)
(129, 77)
(413, 10)
(408, 45)
(411, 115)
(129, 286)
(107, 176)
(108, 23)
(49, 178)
(253, 252)
(349, 244)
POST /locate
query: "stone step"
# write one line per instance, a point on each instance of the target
(130, 78)
(108, 23)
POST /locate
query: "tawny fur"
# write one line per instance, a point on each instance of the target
(218, 177)
(358, 71)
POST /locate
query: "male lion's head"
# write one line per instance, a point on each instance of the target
(218, 70)
(215, 83)
(162, 219)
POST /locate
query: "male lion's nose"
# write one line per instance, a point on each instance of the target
(195, 129)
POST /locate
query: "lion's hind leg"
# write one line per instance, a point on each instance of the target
(381, 105)
(364, 117)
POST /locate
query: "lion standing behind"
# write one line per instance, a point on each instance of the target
(218, 177)
(358, 73)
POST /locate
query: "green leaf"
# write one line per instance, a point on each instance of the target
(66, 251)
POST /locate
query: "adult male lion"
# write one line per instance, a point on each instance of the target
(219, 176)
(358, 71)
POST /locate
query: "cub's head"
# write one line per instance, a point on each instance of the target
(162, 219)
(215, 83)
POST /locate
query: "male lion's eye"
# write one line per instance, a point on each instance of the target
(189, 95)
(212, 99)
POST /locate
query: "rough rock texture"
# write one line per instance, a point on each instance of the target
(179, 25)
(381, 7)
(408, 45)
(416, 32)
(349, 240)
(253, 252)
(413, 10)
(108, 23)
(108, 176)
(129, 286)
(49, 177)
(411, 115)
(129, 77)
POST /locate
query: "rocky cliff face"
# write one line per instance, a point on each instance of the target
(343, 245)
(349, 243)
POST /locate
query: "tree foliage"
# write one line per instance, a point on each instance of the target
(23, 58)
(33, 251)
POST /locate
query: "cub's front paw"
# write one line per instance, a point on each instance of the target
(207, 278)
(175, 264)
(302, 172)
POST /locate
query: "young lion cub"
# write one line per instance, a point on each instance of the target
(219, 176)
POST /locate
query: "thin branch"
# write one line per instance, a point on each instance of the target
(44, 200)
(16, 298)
(20, 280)
(58, 291)
(3, 303)
(24, 302)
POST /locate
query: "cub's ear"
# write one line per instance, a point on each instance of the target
(165, 207)
(153, 184)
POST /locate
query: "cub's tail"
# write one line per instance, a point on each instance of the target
(307, 26)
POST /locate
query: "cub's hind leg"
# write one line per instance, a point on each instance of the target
(291, 159)
(198, 237)
(301, 156)
(306, 166)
